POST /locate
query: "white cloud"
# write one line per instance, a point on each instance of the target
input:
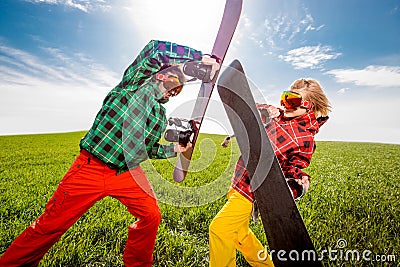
(244, 26)
(83, 5)
(342, 91)
(380, 76)
(70, 70)
(284, 29)
(59, 92)
(309, 56)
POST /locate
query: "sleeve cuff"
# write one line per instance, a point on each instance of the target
(169, 151)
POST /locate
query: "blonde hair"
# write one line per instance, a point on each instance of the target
(311, 91)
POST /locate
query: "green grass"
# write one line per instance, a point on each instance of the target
(354, 196)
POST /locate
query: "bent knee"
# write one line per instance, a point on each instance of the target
(156, 217)
(152, 217)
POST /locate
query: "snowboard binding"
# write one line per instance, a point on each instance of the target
(183, 132)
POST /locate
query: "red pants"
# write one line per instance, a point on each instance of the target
(88, 181)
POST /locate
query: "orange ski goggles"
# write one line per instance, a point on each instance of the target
(291, 100)
(171, 83)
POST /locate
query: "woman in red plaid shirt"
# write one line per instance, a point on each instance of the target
(291, 131)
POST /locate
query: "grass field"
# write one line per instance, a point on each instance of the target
(354, 197)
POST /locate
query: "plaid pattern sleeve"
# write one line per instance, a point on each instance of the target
(150, 60)
(127, 129)
(293, 144)
(241, 180)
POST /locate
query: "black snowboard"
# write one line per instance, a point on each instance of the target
(288, 239)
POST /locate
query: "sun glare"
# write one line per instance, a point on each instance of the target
(178, 21)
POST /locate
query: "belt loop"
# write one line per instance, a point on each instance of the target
(88, 160)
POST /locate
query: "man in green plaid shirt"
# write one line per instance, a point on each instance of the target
(132, 118)
(126, 131)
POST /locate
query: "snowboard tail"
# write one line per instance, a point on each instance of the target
(288, 239)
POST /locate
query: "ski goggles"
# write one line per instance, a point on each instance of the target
(171, 83)
(292, 100)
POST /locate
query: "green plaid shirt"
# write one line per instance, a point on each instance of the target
(128, 127)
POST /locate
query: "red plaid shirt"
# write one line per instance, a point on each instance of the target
(293, 143)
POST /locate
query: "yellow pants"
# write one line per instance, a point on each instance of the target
(230, 230)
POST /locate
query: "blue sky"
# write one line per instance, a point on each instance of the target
(59, 58)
